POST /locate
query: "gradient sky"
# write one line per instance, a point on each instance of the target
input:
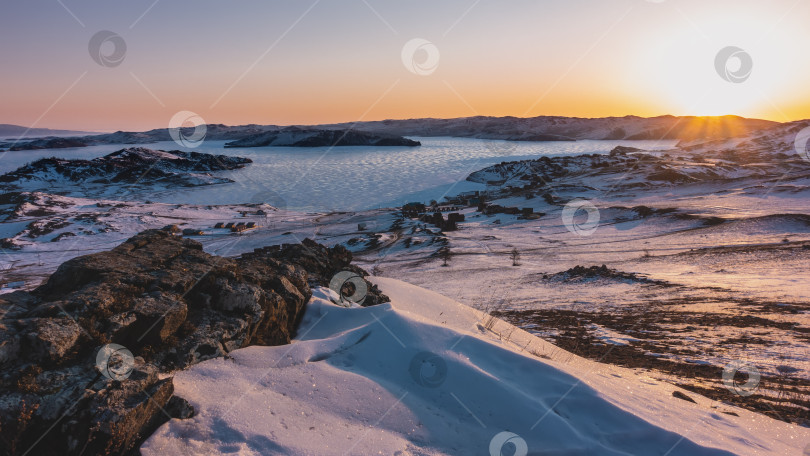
(245, 62)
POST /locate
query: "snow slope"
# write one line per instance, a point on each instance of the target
(426, 375)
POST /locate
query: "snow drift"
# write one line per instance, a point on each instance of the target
(425, 375)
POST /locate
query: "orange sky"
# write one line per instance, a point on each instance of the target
(283, 63)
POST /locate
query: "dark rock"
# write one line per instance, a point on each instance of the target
(61, 236)
(166, 301)
(9, 345)
(320, 262)
(671, 176)
(180, 408)
(582, 274)
(174, 229)
(157, 318)
(623, 150)
(683, 396)
(9, 244)
(51, 339)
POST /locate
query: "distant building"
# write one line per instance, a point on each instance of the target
(473, 198)
(455, 217)
(413, 210)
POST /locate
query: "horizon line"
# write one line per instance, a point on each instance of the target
(412, 118)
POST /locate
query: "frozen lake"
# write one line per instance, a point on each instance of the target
(345, 178)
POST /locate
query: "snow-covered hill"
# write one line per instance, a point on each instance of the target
(308, 137)
(543, 128)
(551, 128)
(16, 132)
(426, 375)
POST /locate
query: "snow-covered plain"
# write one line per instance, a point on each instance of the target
(426, 375)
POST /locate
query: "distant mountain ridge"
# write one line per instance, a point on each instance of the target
(543, 128)
(13, 132)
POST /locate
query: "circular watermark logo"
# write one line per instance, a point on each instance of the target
(801, 142)
(179, 127)
(428, 369)
(115, 362)
(731, 370)
(350, 286)
(107, 49)
(269, 197)
(733, 64)
(420, 56)
(508, 444)
(572, 217)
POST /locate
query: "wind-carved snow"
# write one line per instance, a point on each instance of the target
(347, 385)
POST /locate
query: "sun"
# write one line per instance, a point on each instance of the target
(711, 69)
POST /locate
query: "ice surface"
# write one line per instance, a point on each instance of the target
(342, 178)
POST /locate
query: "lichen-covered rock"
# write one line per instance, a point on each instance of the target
(51, 339)
(157, 318)
(170, 305)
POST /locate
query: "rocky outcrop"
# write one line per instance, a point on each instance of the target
(127, 166)
(302, 137)
(167, 302)
(582, 274)
(760, 160)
